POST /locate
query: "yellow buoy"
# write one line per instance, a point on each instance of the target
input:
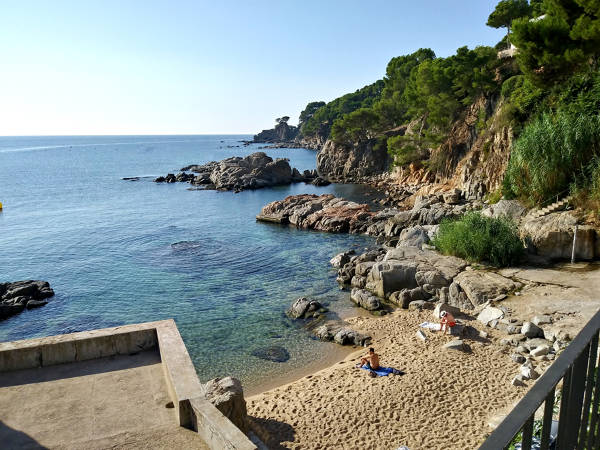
(0, 205)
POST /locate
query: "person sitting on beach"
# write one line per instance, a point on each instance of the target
(447, 321)
(371, 361)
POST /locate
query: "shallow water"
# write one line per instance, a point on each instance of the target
(120, 252)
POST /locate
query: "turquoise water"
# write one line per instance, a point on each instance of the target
(105, 246)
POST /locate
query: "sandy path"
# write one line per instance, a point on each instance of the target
(444, 400)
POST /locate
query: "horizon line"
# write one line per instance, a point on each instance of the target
(126, 134)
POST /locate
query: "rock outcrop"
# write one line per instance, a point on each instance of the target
(322, 213)
(480, 286)
(551, 236)
(254, 171)
(341, 334)
(329, 213)
(352, 163)
(512, 209)
(305, 308)
(281, 133)
(18, 295)
(227, 395)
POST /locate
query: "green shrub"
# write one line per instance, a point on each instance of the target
(477, 238)
(552, 154)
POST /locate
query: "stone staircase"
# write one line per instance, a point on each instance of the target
(556, 206)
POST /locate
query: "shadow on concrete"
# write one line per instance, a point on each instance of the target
(12, 439)
(274, 432)
(78, 369)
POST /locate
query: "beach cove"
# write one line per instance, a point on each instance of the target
(118, 251)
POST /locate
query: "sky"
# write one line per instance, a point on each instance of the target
(90, 67)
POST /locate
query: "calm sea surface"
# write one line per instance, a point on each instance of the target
(106, 247)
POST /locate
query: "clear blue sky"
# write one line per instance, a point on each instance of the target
(178, 67)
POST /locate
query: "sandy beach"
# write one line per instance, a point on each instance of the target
(444, 401)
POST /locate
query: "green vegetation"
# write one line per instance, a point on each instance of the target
(506, 12)
(553, 152)
(549, 96)
(318, 117)
(480, 239)
(565, 40)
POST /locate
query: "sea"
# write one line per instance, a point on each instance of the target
(121, 251)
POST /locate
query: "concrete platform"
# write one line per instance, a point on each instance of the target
(120, 401)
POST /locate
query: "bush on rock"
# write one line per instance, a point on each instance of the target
(477, 238)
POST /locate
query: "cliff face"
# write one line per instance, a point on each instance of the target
(352, 163)
(473, 157)
(477, 150)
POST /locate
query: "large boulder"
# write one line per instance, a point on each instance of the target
(365, 299)
(505, 208)
(481, 286)
(304, 308)
(348, 336)
(413, 237)
(551, 236)
(489, 314)
(227, 395)
(341, 259)
(390, 276)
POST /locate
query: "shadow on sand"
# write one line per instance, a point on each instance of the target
(14, 439)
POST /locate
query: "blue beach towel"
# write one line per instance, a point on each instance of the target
(384, 371)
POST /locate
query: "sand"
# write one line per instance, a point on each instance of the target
(444, 400)
(447, 398)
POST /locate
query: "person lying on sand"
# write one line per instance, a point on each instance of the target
(447, 321)
(371, 361)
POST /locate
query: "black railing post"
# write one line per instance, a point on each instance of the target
(547, 422)
(527, 434)
(592, 440)
(561, 440)
(576, 397)
(589, 387)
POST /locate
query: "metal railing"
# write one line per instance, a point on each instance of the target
(578, 412)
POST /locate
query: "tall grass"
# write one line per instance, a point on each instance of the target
(552, 153)
(477, 238)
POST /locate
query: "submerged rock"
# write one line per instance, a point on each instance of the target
(273, 353)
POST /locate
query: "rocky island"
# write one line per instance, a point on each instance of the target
(254, 171)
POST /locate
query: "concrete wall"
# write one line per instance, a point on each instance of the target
(66, 348)
(192, 409)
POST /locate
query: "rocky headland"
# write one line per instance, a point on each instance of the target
(18, 295)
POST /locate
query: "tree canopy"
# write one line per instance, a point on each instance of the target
(506, 11)
(558, 44)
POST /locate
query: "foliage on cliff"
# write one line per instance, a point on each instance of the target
(554, 104)
(548, 94)
(318, 117)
